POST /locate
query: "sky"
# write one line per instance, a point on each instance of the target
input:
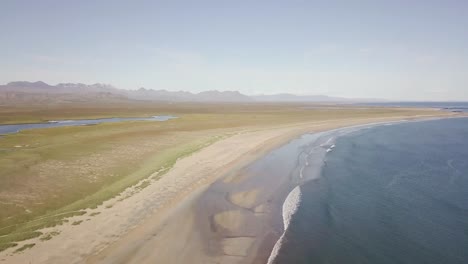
(397, 50)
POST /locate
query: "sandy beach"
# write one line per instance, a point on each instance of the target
(176, 220)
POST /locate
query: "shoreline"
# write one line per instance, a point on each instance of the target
(292, 201)
(148, 217)
(294, 198)
(257, 220)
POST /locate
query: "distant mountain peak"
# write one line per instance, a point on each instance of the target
(38, 84)
(72, 90)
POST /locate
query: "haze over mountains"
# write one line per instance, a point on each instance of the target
(37, 92)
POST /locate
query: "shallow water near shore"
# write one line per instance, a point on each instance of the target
(248, 205)
(387, 194)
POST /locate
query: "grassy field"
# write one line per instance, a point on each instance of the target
(47, 175)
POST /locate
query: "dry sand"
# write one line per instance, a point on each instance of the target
(161, 224)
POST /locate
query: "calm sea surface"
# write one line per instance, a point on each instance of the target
(446, 106)
(386, 194)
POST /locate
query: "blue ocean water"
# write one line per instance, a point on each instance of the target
(446, 106)
(386, 194)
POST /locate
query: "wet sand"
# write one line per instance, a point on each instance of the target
(204, 210)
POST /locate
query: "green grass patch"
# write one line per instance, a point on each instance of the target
(24, 247)
(143, 184)
(16, 237)
(77, 222)
(165, 160)
(49, 235)
(6, 246)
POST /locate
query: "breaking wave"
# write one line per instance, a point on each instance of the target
(290, 206)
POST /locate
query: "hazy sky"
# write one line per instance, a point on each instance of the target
(386, 49)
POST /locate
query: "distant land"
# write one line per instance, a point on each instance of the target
(41, 92)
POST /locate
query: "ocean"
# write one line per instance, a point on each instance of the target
(394, 193)
(446, 106)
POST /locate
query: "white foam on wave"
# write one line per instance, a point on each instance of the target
(328, 142)
(290, 206)
(331, 148)
(301, 171)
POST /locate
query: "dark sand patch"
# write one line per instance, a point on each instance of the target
(246, 199)
(237, 246)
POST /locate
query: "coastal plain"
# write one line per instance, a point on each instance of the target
(112, 193)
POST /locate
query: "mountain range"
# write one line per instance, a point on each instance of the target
(27, 92)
